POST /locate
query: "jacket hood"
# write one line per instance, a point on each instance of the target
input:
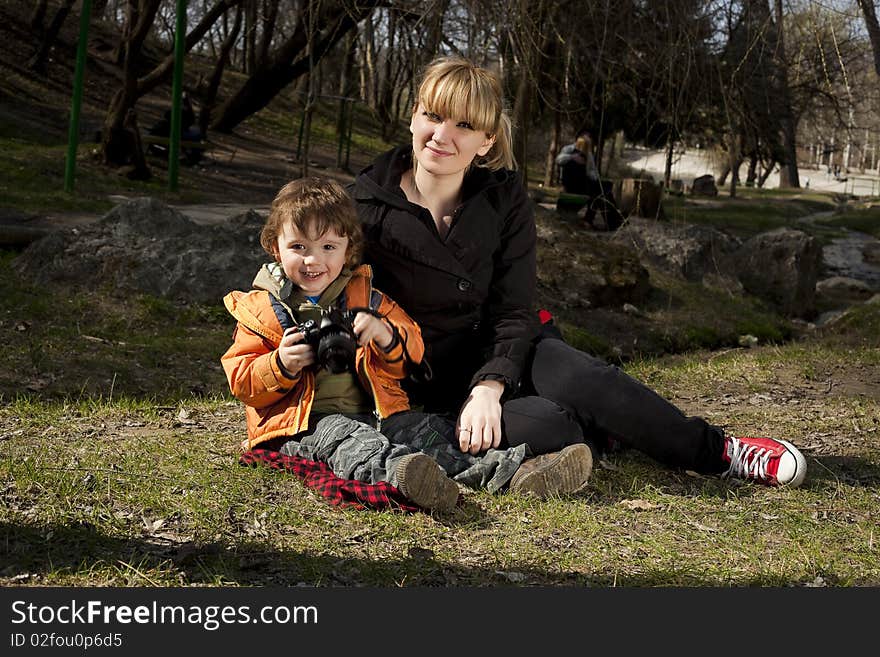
(381, 179)
(271, 278)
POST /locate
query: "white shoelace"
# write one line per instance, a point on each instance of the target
(747, 460)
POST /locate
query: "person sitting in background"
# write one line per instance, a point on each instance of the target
(578, 171)
(189, 132)
(580, 175)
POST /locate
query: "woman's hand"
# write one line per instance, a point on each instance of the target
(293, 353)
(368, 327)
(479, 422)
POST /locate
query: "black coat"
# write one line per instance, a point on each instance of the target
(472, 293)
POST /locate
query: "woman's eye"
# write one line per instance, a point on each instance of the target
(465, 125)
(431, 116)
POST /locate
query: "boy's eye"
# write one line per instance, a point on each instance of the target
(329, 247)
(296, 247)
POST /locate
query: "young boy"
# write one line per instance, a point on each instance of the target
(315, 238)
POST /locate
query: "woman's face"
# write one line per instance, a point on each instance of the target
(446, 145)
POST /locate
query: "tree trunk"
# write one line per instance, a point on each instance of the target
(38, 61)
(752, 173)
(667, 169)
(521, 111)
(788, 170)
(288, 64)
(166, 67)
(38, 15)
(345, 89)
(250, 37)
(209, 99)
(268, 31)
(766, 173)
(552, 150)
(871, 22)
(118, 145)
(385, 109)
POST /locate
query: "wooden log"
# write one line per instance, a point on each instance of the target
(639, 197)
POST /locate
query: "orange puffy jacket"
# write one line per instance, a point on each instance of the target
(276, 405)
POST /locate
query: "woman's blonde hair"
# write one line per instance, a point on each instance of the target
(456, 87)
(314, 206)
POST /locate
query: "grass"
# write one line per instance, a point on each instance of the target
(137, 483)
(864, 220)
(750, 215)
(119, 440)
(32, 180)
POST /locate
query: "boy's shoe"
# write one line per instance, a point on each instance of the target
(421, 479)
(556, 473)
(765, 460)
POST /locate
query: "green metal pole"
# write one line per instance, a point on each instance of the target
(176, 86)
(76, 103)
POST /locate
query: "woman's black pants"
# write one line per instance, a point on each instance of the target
(574, 397)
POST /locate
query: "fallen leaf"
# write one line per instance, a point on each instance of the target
(702, 527)
(152, 526)
(638, 505)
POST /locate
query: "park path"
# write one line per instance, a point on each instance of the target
(201, 213)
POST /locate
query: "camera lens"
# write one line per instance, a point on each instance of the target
(336, 351)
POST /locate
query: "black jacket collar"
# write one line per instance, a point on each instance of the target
(381, 180)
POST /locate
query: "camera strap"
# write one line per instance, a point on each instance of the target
(421, 370)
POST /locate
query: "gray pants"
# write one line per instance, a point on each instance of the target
(355, 450)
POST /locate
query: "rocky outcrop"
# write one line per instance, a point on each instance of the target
(696, 253)
(782, 267)
(144, 246)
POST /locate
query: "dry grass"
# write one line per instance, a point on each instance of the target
(130, 478)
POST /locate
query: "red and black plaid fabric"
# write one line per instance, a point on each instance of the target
(337, 491)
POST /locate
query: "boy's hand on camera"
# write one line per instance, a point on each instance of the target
(367, 327)
(293, 353)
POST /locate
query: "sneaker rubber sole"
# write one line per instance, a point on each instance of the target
(565, 472)
(424, 482)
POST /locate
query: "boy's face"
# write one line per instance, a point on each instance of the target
(311, 262)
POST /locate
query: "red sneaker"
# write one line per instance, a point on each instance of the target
(765, 460)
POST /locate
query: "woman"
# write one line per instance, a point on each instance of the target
(451, 236)
(579, 174)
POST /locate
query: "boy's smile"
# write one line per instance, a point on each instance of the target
(311, 262)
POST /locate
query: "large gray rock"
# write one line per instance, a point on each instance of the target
(843, 290)
(704, 186)
(781, 266)
(697, 253)
(144, 246)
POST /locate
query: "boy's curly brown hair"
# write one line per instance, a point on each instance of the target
(314, 205)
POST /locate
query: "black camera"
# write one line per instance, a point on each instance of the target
(333, 339)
